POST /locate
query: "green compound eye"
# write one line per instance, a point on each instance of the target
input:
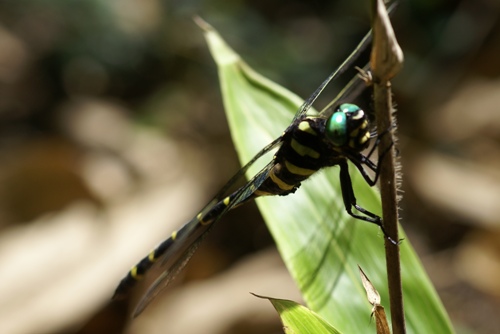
(348, 108)
(336, 126)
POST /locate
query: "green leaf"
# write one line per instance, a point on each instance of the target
(298, 319)
(319, 242)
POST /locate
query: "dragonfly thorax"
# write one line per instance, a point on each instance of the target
(348, 126)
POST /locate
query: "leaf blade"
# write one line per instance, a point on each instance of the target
(298, 319)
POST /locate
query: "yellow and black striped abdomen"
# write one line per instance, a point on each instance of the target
(178, 244)
(301, 155)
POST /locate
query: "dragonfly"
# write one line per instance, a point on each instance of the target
(338, 134)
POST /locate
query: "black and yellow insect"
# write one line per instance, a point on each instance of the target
(337, 134)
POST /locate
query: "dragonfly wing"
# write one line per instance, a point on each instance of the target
(274, 144)
(197, 232)
(357, 84)
(349, 93)
(341, 69)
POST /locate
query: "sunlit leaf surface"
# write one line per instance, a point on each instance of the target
(298, 319)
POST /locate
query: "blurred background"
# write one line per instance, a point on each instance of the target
(112, 134)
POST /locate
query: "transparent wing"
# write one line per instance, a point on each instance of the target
(341, 69)
(349, 93)
(357, 84)
(193, 233)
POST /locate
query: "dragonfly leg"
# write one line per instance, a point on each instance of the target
(359, 160)
(350, 202)
(377, 142)
(382, 155)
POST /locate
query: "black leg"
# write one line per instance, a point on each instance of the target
(359, 160)
(350, 201)
(377, 141)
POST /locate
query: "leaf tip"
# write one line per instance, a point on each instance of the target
(204, 25)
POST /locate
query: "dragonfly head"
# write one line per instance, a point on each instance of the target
(348, 126)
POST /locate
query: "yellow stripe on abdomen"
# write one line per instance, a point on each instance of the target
(298, 170)
(134, 274)
(303, 150)
(279, 182)
(152, 256)
(306, 127)
(201, 218)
